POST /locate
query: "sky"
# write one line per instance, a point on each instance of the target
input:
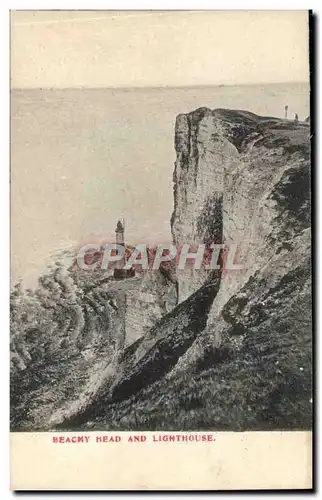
(59, 49)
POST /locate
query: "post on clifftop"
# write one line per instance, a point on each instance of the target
(286, 110)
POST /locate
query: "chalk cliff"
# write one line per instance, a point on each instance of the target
(236, 352)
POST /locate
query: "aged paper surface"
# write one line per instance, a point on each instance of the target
(160, 250)
(250, 460)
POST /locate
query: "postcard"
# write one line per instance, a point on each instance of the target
(161, 295)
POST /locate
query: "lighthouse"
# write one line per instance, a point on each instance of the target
(119, 272)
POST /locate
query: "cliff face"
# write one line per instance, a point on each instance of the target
(261, 166)
(239, 179)
(235, 353)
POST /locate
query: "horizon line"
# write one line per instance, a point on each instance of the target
(157, 87)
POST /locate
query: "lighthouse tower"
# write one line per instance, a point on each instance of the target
(119, 231)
